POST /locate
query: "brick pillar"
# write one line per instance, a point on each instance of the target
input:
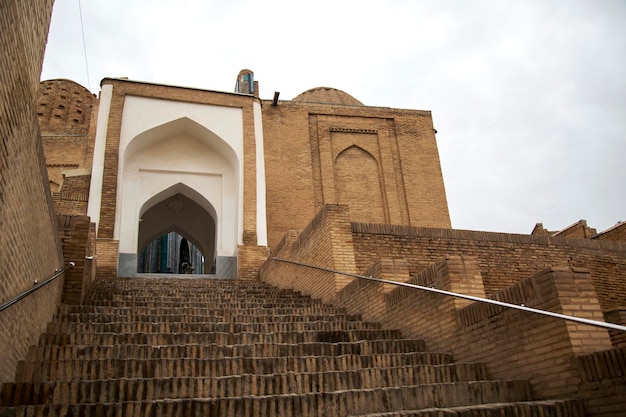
(578, 298)
(250, 259)
(464, 277)
(337, 224)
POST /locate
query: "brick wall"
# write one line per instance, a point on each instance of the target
(76, 234)
(317, 154)
(504, 259)
(29, 248)
(73, 197)
(604, 382)
(250, 259)
(616, 316)
(106, 259)
(325, 242)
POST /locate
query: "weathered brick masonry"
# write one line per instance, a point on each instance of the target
(29, 249)
(382, 162)
(560, 358)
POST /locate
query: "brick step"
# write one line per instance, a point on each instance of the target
(312, 309)
(104, 368)
(209, 292)
(240, 300)
(136, 351)
(556, 408)
(160, 337)
(337, 403)
(160, 325)
(120, 283)
(145, 389)
(195, 316)
(182, 307)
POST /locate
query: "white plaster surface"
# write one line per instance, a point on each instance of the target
(261, 211)
(97, 171)
(168, 146)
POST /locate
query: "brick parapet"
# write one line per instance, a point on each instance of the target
(504, 259)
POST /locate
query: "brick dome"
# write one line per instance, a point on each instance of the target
(327, 95)
(64, 106)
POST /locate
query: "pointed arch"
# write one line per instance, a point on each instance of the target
(182, 210)
(185, 159)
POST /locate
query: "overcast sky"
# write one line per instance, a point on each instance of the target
(528, 97)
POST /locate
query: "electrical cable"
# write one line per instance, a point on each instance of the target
(82, 29)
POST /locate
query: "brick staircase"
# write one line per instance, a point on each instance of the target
(187, 347)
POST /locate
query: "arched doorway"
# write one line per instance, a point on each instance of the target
(165, 221)
(180, 177)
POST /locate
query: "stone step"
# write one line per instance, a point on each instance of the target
(161, 325)
(138, 351)
(555, 408)
(145, 389)
(336, 403)
(93, 369)
(163, 337)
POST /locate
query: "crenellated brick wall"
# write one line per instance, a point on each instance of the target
(504, 259)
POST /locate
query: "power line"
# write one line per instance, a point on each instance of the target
(82, 29)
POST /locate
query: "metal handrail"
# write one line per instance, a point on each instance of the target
(522, 307)
(37, 286)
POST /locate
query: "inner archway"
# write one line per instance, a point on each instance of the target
(166, 255)
(168, 218)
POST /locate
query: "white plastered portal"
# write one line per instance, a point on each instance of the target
(166, 143)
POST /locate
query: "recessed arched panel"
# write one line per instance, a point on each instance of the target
(358, 184)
